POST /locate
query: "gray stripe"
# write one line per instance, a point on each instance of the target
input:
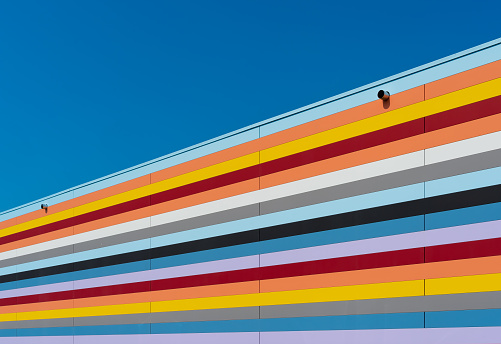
(64, 322)
(55, 252)
(448, 168)
(144, 318)
(168, 317)
(433, 303)
(430, 303)
(388, 181)
(178, 226)
(196, 222)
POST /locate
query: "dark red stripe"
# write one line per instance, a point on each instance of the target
(206, 184)
(350, 145)
(84, 218)
(434, 122)
(359, 262)
(464, 250)
(466, 113)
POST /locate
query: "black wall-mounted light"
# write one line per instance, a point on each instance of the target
(384, 95)
(44, 206)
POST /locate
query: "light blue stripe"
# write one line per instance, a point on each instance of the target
(84, 274)
(467, 181)
(86, 255)
(35, 205)
(375, 199)
(205, 148)
(324, 209)
(366, 231)
(483, 213)
(395, 84)
(433, 188)
(466, 318)
(359, 232)
(206, 255)
(173, 159)
(338, 235)
(468, 59)
(8, 270)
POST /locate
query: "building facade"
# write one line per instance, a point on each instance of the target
(352, 220)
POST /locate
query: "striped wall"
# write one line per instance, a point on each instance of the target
(349, 221)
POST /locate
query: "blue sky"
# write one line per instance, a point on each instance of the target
(88, 88)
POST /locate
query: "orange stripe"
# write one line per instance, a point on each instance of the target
(412, 144)
(175, 294)
(351, 115)
(452, 268)
(428, 140)
(161, 295)
(462, 80)
(434, 89)
(463, 267)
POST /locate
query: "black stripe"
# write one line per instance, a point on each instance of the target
(463, 199)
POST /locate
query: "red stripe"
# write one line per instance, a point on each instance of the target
(359, 262)
(350, 145)
(466, 113)
(397, 132)
(79, 219)
(463, 250)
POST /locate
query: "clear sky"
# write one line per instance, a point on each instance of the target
(91, 87)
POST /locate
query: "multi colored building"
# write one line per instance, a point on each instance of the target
(352, 220)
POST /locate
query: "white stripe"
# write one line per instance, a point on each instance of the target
(433, 155)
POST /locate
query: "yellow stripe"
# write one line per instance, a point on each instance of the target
(184, 179)
(8, 317)
(463, 284)
(357, 292)
(344, 293)
(419, 110)
(437, 286)
(133, 308)
(171, 183)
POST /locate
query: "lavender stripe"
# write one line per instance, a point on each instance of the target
(470, 232)
(38, 340)
(177, 338)
(175, 271)
(440, 236)
(458, 335)
(39, 289)
(465, 335)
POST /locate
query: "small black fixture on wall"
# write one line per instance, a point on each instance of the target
(384, 95)
(44, 206)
